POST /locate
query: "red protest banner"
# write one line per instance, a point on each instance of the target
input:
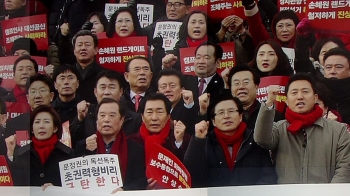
(5, 174)
(15, 109)
(187, 57)
(201, 5)
(265, 82)
(298, 6)
(22, 137)
(114, 53)
(326, 15)
(6, 69)
(219, 9)
(167, 169)
(34, 27)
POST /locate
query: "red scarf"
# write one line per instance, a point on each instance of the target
(196, 42)
(150, 138)
(115, 35)
(300, 121)
(234, 140)
(119, 147)
(44, 148)
(20, 94)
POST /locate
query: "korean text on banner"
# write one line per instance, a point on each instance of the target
(290, 54)
(22, 137)
(169, 32)
(167, 169)
(93, 172)
(326, 15)
(144, 12)
(34, 27)
(5, 174)
(113, 53)
(6, 69)
(201, 5)
(15, 109)
(187, 57)
(298, 6)
(263, 88)
(219, 9)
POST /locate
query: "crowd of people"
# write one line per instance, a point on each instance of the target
(211, 121)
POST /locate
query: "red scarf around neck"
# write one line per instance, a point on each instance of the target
(119, 147)
(150, 138)
(44, 148)
(115, 35)
(20, 94)
(196, 42)
(300, 121)
(234, 140)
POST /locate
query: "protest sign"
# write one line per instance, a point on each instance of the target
(298, 6)
(265, 82)
(66, 137)
(326, 15)
(219, 9)
(5, 174)
(201, 5)
(22, 137)
(115, 52)
(290, 54)
(15, 109)
(6, 69)
(34, 27)
(187, 58)
(167, 169)
(144, 12)
(169, 32)
(93, 172)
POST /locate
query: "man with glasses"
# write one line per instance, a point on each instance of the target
(138, 74)
(337, 80)
(227, 155)
(176, 10)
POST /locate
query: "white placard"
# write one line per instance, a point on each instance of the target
(291, 55)
(93, 172)
(144, 12)
(170, 33)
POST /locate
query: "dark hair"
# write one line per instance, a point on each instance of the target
(316, 49)
(24, 43)
(25, 57)
(63, 69)
(101, 17)
(282, 68)
(284, 14)
(323, 94)
(302, 76)
(55, 118)
(243, 67)
(112, 75)
(218, 49)
(84, 33)
(121, 110)
(40, 77)
(224, 97)
(127, 64)
(183, 32)
(172, 72)
(3, 108)
(187, 2)
(111, 25)
(337, 51)
(155, 97)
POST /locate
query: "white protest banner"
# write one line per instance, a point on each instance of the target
(291, 55)
(170, 33)
(144, 12)
(93, 172)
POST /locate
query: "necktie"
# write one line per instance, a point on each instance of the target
(201, 86)
(137, 101)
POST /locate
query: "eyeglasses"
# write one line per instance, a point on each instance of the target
(221, 113)
(41, 91)
(176, 5)
(238, 83)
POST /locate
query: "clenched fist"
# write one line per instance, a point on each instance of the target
(169, 60)
(179, 131)
(201, 129)
(82, 109)
(91, 143)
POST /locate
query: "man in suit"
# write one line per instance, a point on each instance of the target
(207, 58)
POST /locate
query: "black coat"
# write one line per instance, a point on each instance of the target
(187, 116)
(126, 101)
(206, 162)
(87, 127)
(18, 123)
(27, 169)
(136, 170)
(66, 110)
(3, 148)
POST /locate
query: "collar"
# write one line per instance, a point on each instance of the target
(207, 79)
(132, 94)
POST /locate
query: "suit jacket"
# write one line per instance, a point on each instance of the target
(187, 116)
(213, 88)
(126, 101)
